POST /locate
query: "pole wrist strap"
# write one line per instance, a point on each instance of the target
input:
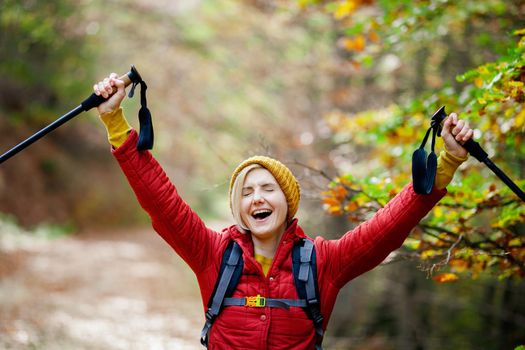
(146, 125)
(424, 167)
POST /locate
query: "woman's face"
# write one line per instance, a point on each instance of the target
(263, 204)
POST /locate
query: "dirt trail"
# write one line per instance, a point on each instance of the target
(124, 290)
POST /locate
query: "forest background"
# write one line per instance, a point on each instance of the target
(341, 91)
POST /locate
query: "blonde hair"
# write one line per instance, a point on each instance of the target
(236, 195)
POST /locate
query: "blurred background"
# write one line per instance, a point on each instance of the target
(341, 91)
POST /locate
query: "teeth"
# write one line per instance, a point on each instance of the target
(261, 211)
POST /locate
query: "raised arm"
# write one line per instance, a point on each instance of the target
(370, 243)
(367, 245)
(171, 217)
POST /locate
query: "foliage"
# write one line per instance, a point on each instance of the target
(41, 49)
(369, 28)
(479, 226)
(46, 62)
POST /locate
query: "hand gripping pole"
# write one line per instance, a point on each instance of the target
(475, 150)
(131, 77)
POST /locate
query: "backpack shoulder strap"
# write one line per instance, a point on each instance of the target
(304, 266)
(229, 275)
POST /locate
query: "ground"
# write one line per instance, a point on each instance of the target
(118, 290)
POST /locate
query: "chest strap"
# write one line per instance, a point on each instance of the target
(259, 301)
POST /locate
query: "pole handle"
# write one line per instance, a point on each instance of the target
(471, 146)
(94, 100)
(475, 150)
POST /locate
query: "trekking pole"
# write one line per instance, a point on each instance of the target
(479, 153)
(131, 77)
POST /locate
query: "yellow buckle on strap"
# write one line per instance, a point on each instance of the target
(257, 301)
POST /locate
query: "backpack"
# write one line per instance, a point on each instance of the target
(305, 278)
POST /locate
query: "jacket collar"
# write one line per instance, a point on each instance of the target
(292, 233)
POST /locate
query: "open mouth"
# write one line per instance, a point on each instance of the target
(261, 214)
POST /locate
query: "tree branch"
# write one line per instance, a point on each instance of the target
(447, 259)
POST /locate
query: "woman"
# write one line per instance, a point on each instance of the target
(264, 197)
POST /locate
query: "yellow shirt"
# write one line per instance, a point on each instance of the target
(265, 262)
(117, 127)
(446, 167)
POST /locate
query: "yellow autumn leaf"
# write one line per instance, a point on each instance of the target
(340, 192)
(478, 82)
(445, 277)
(429, 253)
(359, 123)
(332, 205)
(459, 265)
(359, 43)
(354, 44)
(483, 70)
(331, 201)
(303, 3)
(334, 209)
(515, 242)
(351, 206)
(438, 212)
(412, 244)
(482, 101)
(344, 9)
(519, 32)
(519, 121)
(344, 181)
(373, 37)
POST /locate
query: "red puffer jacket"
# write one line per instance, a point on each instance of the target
(338, 261)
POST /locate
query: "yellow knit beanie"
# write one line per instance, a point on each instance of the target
(282, 174)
